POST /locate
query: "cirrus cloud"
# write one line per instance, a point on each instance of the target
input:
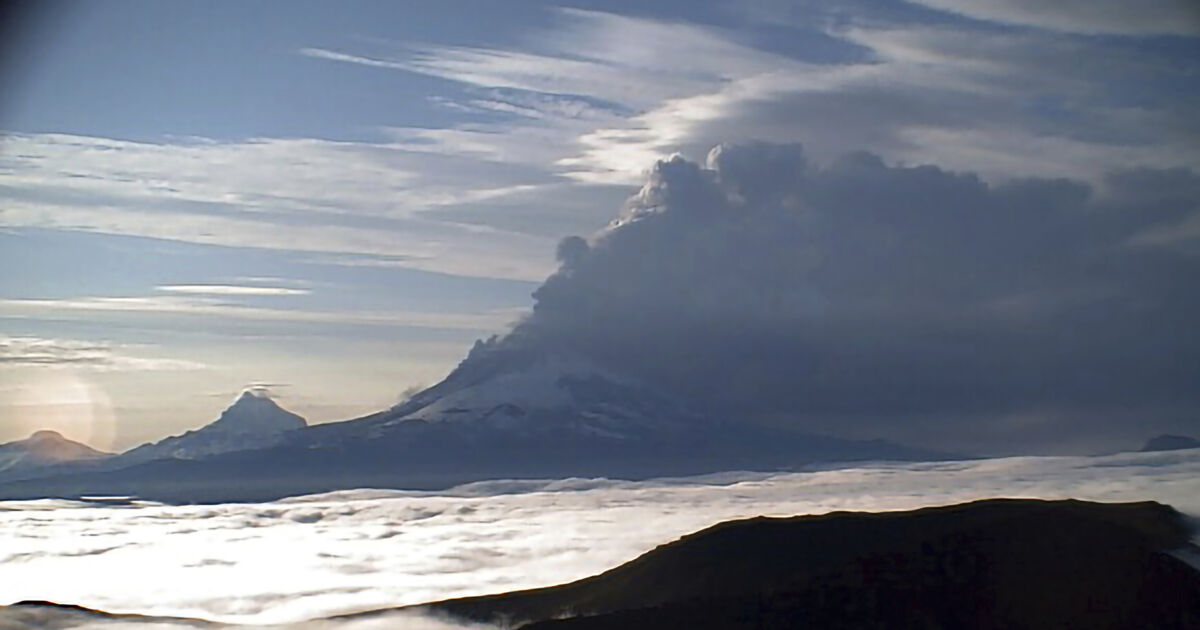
(1106, 17)
(226, 289)
(25, 352)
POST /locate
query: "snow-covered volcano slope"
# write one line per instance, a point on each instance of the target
(555, 405)
(252, 421)
(530, 395)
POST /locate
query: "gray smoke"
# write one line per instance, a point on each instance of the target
(868, 299)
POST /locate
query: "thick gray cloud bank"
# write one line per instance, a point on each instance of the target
(914, 303)
(297, 559)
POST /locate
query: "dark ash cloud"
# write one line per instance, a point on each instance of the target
(868, 299)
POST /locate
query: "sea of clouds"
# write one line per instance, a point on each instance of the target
(297, 560)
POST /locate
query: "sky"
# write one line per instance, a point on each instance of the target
(335, 200)
(304, 558)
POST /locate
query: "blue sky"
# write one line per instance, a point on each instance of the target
(338, 198)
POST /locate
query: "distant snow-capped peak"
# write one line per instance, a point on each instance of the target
(255, 412)
(254, 420)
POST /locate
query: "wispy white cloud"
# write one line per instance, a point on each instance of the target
(215, 307)
(629, 66)
(1099, 17)
(256, 175)
(38, 352)
(1006, 149)
(597, 99)
(275, 281)
(677, 87)
(321, 53)
(920, 85)
(225, 289)
(306, 195)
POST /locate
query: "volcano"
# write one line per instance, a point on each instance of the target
(503, 412)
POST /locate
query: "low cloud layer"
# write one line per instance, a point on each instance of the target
(303, 558)
(871, 299)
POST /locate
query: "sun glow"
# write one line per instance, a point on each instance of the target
(65, 401)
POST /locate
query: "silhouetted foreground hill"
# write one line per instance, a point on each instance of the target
(40, 615)
(989, 564)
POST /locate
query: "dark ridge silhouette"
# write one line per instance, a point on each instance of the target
(1000, 563)
(1170, 443)
(44, 615)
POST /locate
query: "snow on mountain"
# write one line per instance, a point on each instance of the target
(506, 412)
(536, 395)
(535, 401)
(252, 421)
(541, 405)
(256, 413)
(44, 448)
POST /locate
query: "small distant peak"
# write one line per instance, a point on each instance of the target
(47, 435)
(255, 411)
(52, 445)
